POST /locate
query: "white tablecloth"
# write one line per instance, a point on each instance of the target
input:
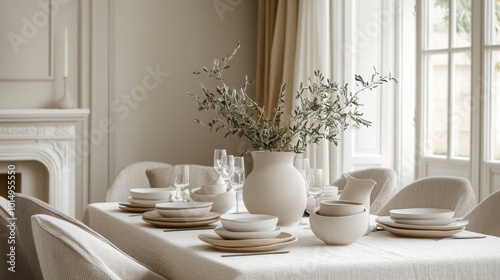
(379, 255)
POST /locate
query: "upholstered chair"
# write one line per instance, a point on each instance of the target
(484, 217)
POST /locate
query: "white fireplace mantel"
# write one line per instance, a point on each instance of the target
(47, 136)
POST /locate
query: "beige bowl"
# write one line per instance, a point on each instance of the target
(340, 207)
(212, 189)
(339, 230)
(222, 202)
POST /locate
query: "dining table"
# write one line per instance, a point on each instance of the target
(380, 254)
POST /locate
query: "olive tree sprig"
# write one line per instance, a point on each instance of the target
(324, 109)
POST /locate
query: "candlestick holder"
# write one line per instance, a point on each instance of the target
(65, 102)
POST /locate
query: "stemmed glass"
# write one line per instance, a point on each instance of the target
(227, 168)
(218, 154)
(315, 184)
(181, 180)
(238, 178)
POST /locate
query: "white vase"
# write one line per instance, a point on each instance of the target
(275, 187)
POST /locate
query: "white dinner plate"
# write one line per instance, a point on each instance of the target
(227, 234)
(421, 213)
(218, 241)
(426, 222)
(386, 220)
(183, 205)
(252, 249)
(146, 201)
(155, 216)
(180, 224)
(135, 209)
(184, 213)
(136, 205)
(418, 233)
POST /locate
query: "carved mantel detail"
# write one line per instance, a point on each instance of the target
(47, 136)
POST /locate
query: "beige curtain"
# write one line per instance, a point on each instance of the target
(294, 40)
(277, 32)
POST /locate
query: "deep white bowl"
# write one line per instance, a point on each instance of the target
(340, 207)
(184, 213)
(248, 222)
(152, 193)
(178, 205)
(222, 202)
(341, 230)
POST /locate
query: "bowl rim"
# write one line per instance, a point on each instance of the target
(337, 202)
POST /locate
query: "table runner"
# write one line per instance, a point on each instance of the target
(379, 255)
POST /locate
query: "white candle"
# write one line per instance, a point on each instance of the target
(66, 52)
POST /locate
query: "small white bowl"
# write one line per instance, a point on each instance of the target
(183, 205)
(340, 207)
(248, 222)
(184, 213)
(222, 202)
(330, 191)
(341, 230)
(152, 193)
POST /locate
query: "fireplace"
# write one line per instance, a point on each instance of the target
(49, 137)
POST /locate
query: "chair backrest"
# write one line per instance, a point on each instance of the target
(484, 217)
(384, 190)
(66, 251)
(8, 227)
(131, 176)
(446, 192)
(27, 206)
(199, 175)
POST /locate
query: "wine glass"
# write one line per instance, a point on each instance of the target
(218, 154)
(227, 168)
(238, 178)
(181, 180)
(315, 184)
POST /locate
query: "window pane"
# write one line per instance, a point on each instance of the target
(463, 23)
(494, 121)
(461, 104)
(437, 107)
(437, 23)
(495, 21)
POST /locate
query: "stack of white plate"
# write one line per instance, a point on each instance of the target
(181, 214)
(248, 233)
(422, 222)
(145, 199)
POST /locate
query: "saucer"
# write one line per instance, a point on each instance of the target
(227, 234)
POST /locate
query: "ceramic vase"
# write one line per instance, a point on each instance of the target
(275, 187)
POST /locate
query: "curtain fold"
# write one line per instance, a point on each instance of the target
(277, 32)
(294, 40)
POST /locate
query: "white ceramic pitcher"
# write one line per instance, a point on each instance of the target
(358, 190)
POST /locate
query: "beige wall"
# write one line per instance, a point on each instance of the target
(137, 115)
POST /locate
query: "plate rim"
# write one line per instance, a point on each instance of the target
(420, 233)
(209, 216)
(213, 239)
(388, 221)
(227, 234)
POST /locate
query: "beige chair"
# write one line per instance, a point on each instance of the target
(66, 252)
(131, 176)
(21, 270)
(445, 192)
(27, 206)
(155, 175)
(484, 217)
(384, 190)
